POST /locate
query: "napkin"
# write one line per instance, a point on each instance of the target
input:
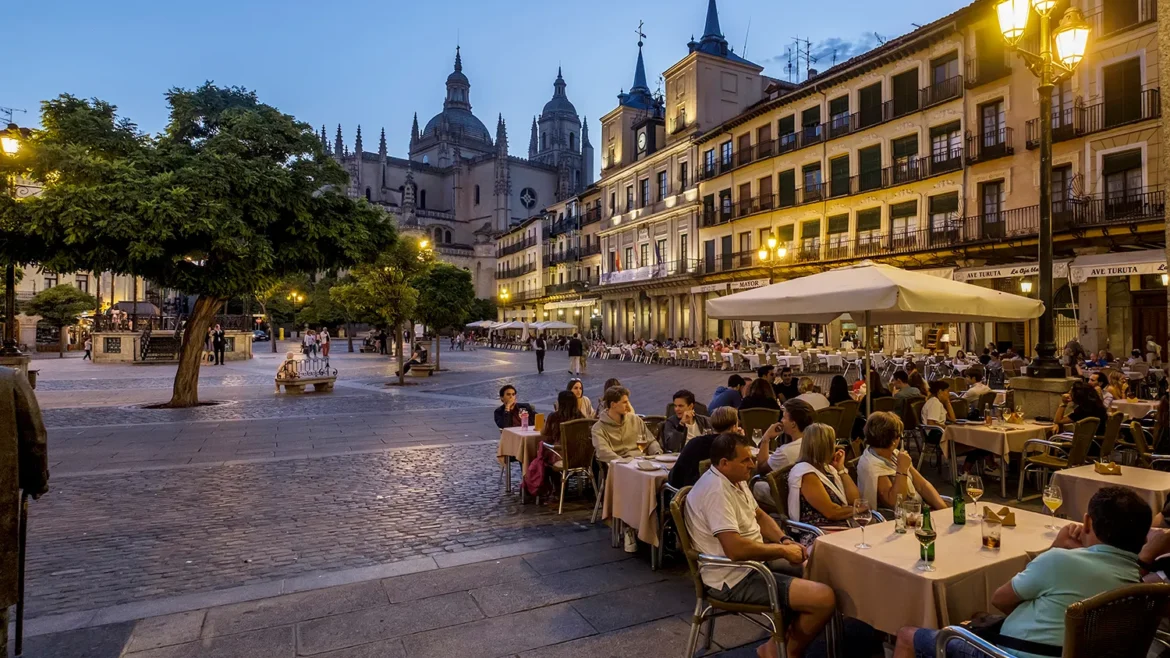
(1108, 468)
(1006, 517)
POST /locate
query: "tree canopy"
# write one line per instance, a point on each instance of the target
(445, 296)
(60, 306)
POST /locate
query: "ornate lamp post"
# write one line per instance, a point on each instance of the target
(772, 254)
(1051, 65)
(10, 141)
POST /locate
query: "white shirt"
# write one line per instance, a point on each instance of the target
(869, 469)
(934, 410)
(716, 505)
(977, 389)
(693, 430)
(785, 455)
(817, 400)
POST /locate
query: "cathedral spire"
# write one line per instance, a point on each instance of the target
(459, 59)
(338, 145)
(532, 141)
(324, 139)
(711, 29)
(585, 132)
(382, 145)
(501, 137)
(414, 131)
(458, 86)
(357, 145)
(640, 73)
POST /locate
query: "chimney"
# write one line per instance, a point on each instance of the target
(812, 73)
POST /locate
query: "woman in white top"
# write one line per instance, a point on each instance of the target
(937, 410)
(820, 490)
(583, 403)
(884, 472)
(810, 394)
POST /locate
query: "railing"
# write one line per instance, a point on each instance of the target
(941, 92)
(981, 71)
(510, 272)
(516, 247)
(1067, 123)
(989, 145)
(591, 216)
(569, 287)
(557, 257)
(592, 249)
(680, 124)
(1114, 112)
(561, 227)
(1121, 16)
(657, 271)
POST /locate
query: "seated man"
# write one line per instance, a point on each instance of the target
(724, 520)
(1084, 561)
(901, 387)
(884, 472)
(508, 413)
(798, 415)
(975, 388)
(418, 357)
(618, 430)
(787, 384)
(730, 395)
(685, 424)
(686, 470)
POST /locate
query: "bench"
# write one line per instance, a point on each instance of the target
(297, 385)
(421, 370)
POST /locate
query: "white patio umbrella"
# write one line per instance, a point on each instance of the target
(487, 324)
(553, 324)
(877, 294)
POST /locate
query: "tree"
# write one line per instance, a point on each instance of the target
(232, 196)
(445, 296)
(384, 290)
(482, 309)
(60, 306)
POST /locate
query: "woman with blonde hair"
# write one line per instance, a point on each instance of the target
(1118, 386)
(820, 490)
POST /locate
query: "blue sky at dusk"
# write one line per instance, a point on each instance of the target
(376, 63)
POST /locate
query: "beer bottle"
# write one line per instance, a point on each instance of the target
(927, 525)
(959, 508)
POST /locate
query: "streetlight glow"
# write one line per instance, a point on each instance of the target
(781, 252)
(1072, 38)
(1013, 18)
(771, 242)
(1166, 279)
(10, 145)
(763, 254)
(423, 244)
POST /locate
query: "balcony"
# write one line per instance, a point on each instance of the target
(591, 216)
(563, 226)
(512, 272)
(657, 271)
(985, 71)
(1066, 124)
(1115, 112)
(1122, 16)
(558, 257)
(941, 92)
(988, 146)
(592, 249)
(515, 247)
(569, 287)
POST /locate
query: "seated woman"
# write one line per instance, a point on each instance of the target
(566, 410)
(1086, 403)
(820, 491)
(960, 358)
(937, 410)
(884, 472)
(839, 390)
(760, 395)
(1118, 386)
(1135, 357)
(609, 383)
(578, 389)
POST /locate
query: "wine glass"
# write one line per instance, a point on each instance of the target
(862, 515)
(1053, 501)
(975, 490)
(926, 537)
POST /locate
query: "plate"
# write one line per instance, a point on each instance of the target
(644, 465)
(1041, 423)
(666, 459)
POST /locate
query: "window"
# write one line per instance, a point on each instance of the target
(869, 227)
(682, 176)
(944, 68)
(765, 193)
(611, 160)
(745, 199)
(724, 205)
(543, 141)
(422, 199)
(572, 142)
(810, 125)
(786, 183)
(764, 141)
(612, 260)
(839, 116)
(745, 148)
(1123, 176)
(745, 249)
(660, 250)
(662, 185)
(447, 237)
(629, 258)
(708, 163)
(629, 198)
(991, 209)
(725, 154)
(477, 195)
(765, 233)
(810, 240)
(1120, 14)
(613, 203)
(812, 182)
(869, 168)
(946, 144)
(944, 213)
(644, 255)
(683, 247)
(787, 130)
(709, 208)
(869, 105)
(50, 279)
(905, 89)
(838, 236)
(991, 121)
(904, 224)
(82, 281)
(1123, 92)
(839, 176)
(709, 262)
(726, 251)
(785, 234)
(1062, 108)
(644, 192)
(368, 197)
(905, 154)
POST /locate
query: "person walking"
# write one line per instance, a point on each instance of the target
(576, 354)
(382, 342)
(88, 349)
(323, 341)
(218, 343)
(539, 346)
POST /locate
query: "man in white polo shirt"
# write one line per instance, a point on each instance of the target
(724, 520)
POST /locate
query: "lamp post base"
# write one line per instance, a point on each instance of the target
(1046, 368)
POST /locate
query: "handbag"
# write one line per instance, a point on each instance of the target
(985, 625)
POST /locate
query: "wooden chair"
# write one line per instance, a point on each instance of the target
(778, 483)
(1058, 455)
(708, 608)
(758, 419)
(575, 454)
(986, 400)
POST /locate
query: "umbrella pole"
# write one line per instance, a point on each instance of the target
(868, 350)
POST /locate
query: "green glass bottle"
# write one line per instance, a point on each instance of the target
(960, 506)
(927, 526)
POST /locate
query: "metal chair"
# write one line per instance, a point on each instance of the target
(575, 454)
(758, 419)
(1140, 444)
(916, 412)
(1058, 455)
(910, 420)
(707, 608)
(666, 494)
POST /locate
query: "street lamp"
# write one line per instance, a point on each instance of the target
(504, 296)
(10, 142)
(772, 254)
(1026, 287)
(424, 243)
(1071, 39)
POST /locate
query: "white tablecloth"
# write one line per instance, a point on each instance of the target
(795, 362)
(1136, 409)
(753, 360)
(832, 360)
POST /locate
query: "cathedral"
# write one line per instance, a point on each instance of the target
(459, 187)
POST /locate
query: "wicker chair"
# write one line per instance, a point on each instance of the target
(757, 419)
(1112, 431)
(706, 608)
(1118, 623)
(654, 426)
(575, 454)
(910, 428)
(887, 404)
(830, 416)
(844, 426)
(961, 408)
(1058, 455)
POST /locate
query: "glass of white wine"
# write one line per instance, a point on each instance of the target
(975, 490)
(1053, 501)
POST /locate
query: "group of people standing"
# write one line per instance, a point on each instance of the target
(316, 342)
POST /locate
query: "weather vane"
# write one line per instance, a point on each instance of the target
(641, 34)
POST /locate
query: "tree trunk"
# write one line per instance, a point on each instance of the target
(62, 342)
(398, 348)
(186, 388)
(438, 342)
(349, 336)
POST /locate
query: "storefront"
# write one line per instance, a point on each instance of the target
(1122, 299)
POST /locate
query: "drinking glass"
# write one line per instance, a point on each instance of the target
(911, 513)
(926, 537)
(1053, 501)
(757, 436)
(975, 490)
(991, 535)
(862, 515)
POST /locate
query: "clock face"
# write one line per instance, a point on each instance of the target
(642, 141)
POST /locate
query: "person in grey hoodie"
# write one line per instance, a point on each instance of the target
(617, 430)
(730, 395)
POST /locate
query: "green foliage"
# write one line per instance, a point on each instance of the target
(445, 296)
(319, 308)
(383, 292)
(61, 305)
(482, 309)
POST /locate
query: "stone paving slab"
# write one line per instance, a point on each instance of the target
(501, 636)
(389, 621)
(527, 593)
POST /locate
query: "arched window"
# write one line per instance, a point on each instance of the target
(447, 238)
(368, 194)
(572, 142)
(438, 236)
(477, 195)
(422, 199)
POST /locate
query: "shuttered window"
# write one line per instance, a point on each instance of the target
(839, 224)
(869, 219)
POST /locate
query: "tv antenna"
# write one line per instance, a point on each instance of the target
(803, 52)
(745, 37)
(7, 113)
(880, 38)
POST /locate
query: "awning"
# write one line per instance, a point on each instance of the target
(1059, 271)
(1122, 263)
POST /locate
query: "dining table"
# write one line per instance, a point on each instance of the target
(1077, 486)
(518, 443)
(1002, 439)
(966, 575)
(1134, 409)
(631, 493)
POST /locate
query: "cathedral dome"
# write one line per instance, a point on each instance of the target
(559, 104)
(461, 122)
